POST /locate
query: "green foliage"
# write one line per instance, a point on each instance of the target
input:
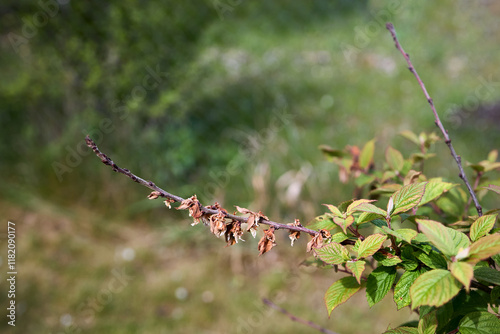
(441, 265)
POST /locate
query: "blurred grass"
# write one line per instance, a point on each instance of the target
(229, 81)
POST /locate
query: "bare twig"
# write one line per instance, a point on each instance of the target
(457, 158)
(297, 319)
(107, 161)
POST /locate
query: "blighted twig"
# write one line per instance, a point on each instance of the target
(297, 319)
(173, 198)
(457, 158)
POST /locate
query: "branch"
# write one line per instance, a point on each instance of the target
(457, 158)
(162, 193)
(294, 318)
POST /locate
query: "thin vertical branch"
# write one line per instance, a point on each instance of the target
(447, 139)
(297, 319)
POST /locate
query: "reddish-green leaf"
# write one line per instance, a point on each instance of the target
(402, 289)
(333, 253)
(494, 188)
(344, 223)
(357, 268)
(334, 210)
(434, 288)
(353, 207)
(482, 226)
(444, 238)
(408, 197)
(340, 291)
(484, 248)
(394, 158)
(370, 245)
(366, 156)
(462, 271)
(370, 208)
(434, 189)
(379, 283)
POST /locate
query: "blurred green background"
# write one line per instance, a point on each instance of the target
(228, 100)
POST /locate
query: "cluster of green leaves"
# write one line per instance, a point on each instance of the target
(424, 245)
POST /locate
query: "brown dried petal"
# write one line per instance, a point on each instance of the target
(218, 224)
(154, 195)
(169, 201)
(316, 242)
(294, 235)
(267, 242)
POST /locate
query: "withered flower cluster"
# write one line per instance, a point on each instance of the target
(221, 223)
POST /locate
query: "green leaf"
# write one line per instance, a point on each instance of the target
(402, 289)
(493, 155)
(367, 217)
(433, 260)
(370, 208)
(488, 275)
(471, 301)
(408, 197)
(405, 234)
(479, 323)
(366, 156)
(496, 258)
(495, 294)
(428, 324)
(463, 272)
(482, 226)
(444, 238)
(370, 245)
(434, 288)
(323, 222)
(394, 158)
(339, 237)
(331, 152)
(357, 268)
(434, 189)
(494, 188)
(353, 207)
(411, 136)
(333, 253)
(344, 205)
(402, 330)
(379, 282)
(340, 291)
(334, 210)
(484, 248)
(387, 260)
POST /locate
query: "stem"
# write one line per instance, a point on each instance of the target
(457, 158)
(149, 184)
(297, 319)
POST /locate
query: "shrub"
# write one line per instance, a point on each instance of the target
(422, 239)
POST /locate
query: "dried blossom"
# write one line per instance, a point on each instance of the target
(233, 232)
(253, 219)
(267, 241)
(168, 202)
(294, 235)
(317, 240)
(194, 207)
(154, 195)
(218, 224)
